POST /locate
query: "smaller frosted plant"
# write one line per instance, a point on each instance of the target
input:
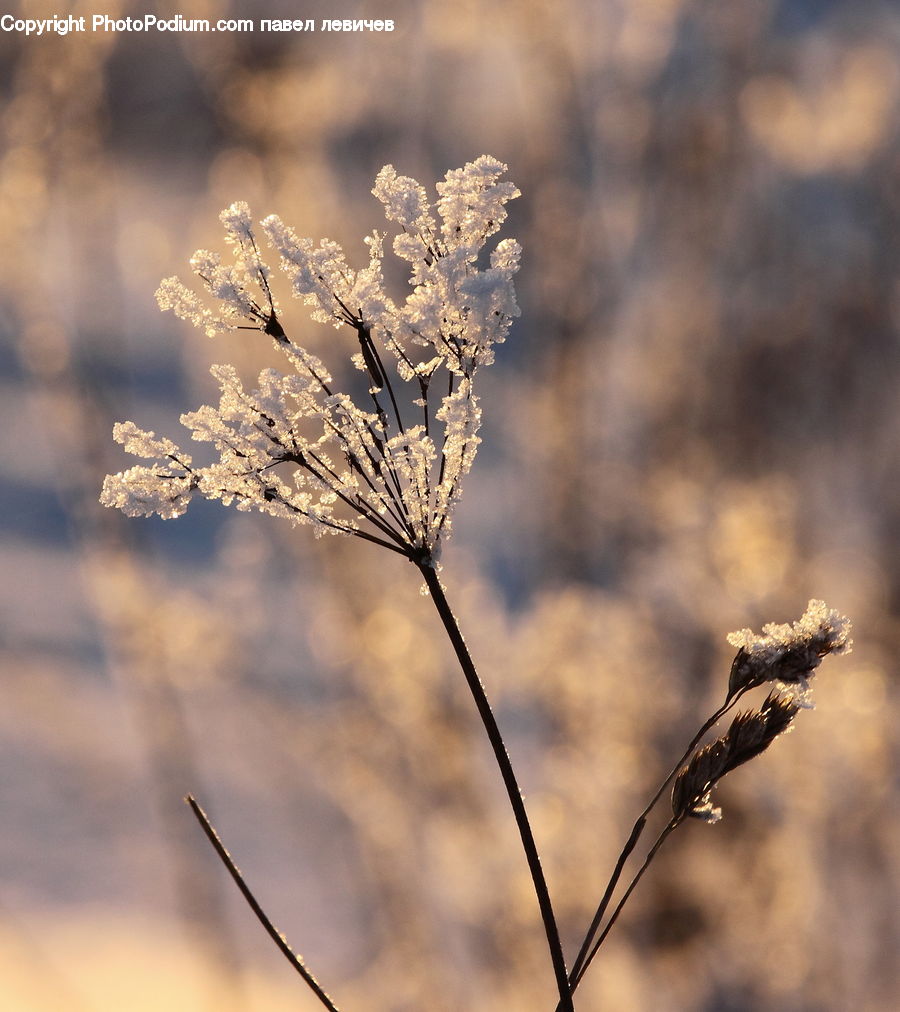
(785, 656)
(388, 470)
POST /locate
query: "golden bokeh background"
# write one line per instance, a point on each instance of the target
(694, 427)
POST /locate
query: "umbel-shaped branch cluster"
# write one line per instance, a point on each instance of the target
(389, 470)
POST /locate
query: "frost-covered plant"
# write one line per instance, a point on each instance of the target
(786, 656)
(388, 469)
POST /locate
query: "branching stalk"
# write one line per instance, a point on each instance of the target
(636, 831)
(660, 840)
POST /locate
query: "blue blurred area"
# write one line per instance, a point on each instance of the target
(793, 17)
(34, 513)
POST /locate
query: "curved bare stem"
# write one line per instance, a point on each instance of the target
(509, 779)
(276, 936)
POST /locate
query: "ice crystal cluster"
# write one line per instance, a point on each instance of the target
(388, 469)
(789, 654)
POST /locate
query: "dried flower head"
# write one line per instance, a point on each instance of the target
(750, 734)
(389, 470)
(788, 654)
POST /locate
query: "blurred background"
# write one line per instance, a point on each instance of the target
(694, 427)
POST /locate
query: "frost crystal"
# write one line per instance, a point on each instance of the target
(390, 471)
(789, 654)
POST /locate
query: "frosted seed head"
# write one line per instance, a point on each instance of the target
(750, 734)
(472, 203)
(147, 491)
(404, 200)
(399, 467)
(237, 221)
(788, 654)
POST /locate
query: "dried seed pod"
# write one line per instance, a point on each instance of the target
(750, 734)
(788, 654)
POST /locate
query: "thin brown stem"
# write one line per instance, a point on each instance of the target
(660, 840)
(509, 779)
(636, 831)
(276, 936)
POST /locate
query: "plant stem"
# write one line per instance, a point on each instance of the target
(276, 936)
(578, 967)
(607, 896)
(660, 840)
(509, 779)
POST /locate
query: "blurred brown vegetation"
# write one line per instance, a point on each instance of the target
(695, 427)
